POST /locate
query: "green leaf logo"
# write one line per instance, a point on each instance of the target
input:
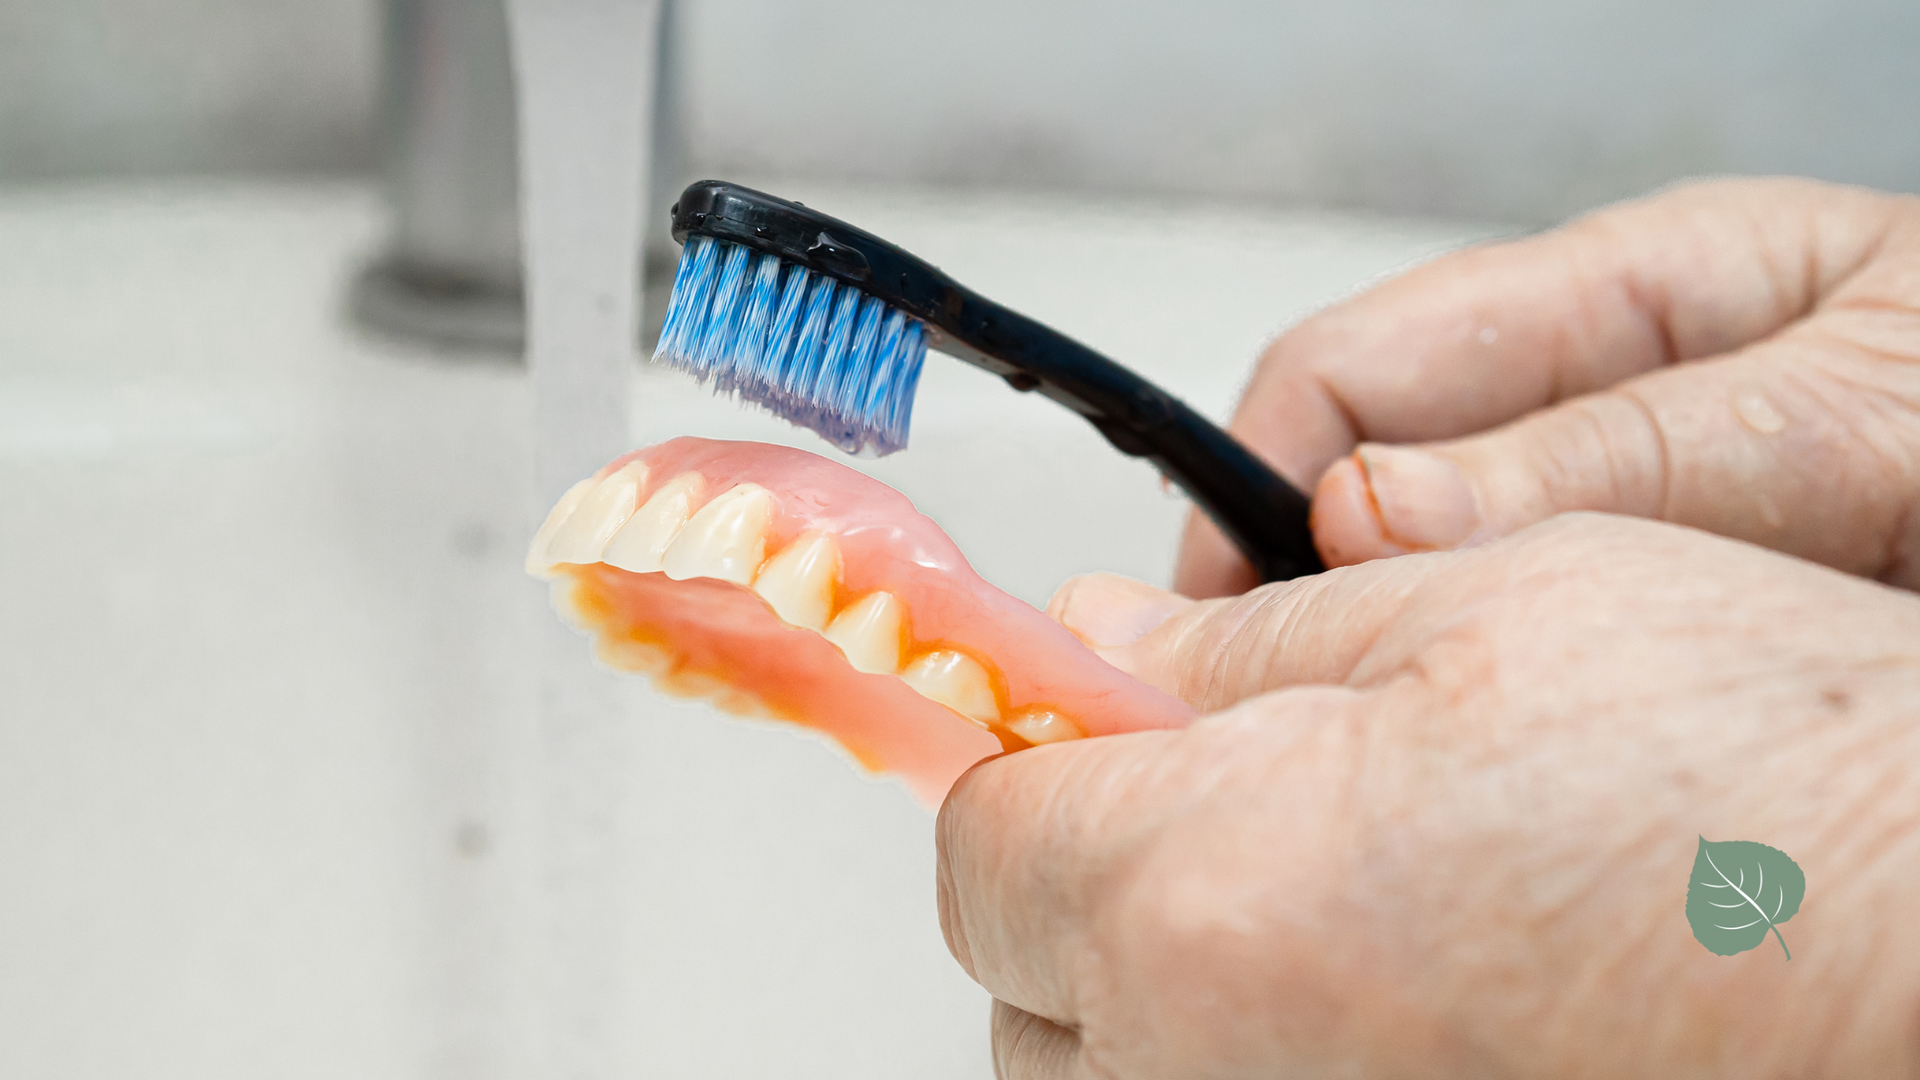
(1739, 891)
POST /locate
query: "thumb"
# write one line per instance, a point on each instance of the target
(1344, 626)
(1765, 446)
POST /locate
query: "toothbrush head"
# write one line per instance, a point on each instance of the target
(795, 341)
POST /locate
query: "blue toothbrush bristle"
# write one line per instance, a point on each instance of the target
(795, 342)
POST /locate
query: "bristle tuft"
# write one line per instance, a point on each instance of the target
(797, 343)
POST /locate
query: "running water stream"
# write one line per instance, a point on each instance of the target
(584, 71)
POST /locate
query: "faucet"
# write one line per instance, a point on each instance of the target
(449, 273)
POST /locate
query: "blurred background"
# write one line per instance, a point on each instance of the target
(266, 687)
(1495, 109)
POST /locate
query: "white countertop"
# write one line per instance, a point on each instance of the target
(263, 617)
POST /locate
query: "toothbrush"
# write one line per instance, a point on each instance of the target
(828, 326)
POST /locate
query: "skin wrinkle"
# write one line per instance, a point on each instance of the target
(1892, 457)
(1874, 304)
(1833, 1022)
(1373, 595)
(1792, 299)
(1212, 663)
(1639, 940)
(1582, 336)
(1896, 568)
(1875, 853)
(1275, 616)
(1032, 1038)
(1662, 451)
(1870, 251)
(1356, 431)
(1654, 303)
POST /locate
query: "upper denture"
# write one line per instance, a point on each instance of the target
(779, 583)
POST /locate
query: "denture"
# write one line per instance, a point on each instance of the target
(777, 584)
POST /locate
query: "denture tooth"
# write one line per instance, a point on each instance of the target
(600, 514)
(868, 631)
(1038, 726)
(798, 582)
(643, 540)
(727, 539)
(955, 680)
(539, 562)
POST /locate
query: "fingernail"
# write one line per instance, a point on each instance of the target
(1423, 499)
(1107, 610)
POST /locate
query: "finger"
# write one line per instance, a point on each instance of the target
(1105, 610)
(1029, 1047)
(1793, 444)
(1020, 841)
(1331, 628)
(1482, 336)
(1043, 856)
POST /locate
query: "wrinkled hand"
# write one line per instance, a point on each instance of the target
(1444, 818)
(1739, 356)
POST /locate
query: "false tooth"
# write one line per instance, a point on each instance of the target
(1044, 726)
(607, 507)
(641, 542)
(539, 563)
(955, 680)
(727, 539)
(798, 582)
(868, 631)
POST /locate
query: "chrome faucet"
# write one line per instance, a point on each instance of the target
(449, 274)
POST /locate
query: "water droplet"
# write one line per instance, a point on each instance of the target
(1757, 413)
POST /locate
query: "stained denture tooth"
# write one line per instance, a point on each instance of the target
(584, 535)
(1037, 725)
(539, 563)
(727, 539)
(955, 680)
(868, 631)
(643, 540)
(798, 582)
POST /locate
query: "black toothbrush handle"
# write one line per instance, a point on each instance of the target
(1265, 516)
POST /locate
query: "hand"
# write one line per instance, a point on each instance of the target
(1444, 818)
(1740, 356)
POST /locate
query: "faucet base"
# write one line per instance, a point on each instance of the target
(396, 298)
